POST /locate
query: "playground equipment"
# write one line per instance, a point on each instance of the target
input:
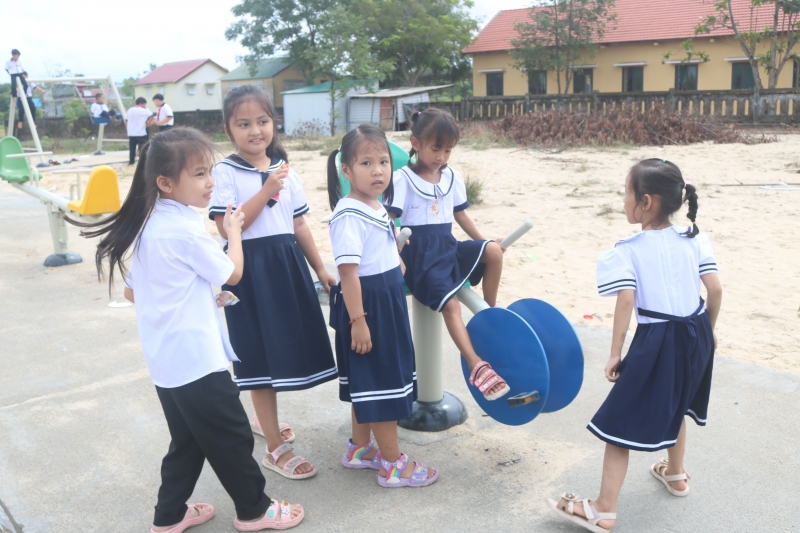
(530, 344)
(102, 196)
(101, 122)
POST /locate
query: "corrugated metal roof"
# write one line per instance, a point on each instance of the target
(172, 72)
(326, 86)
(637, 21)
(266, 68)
(400, 91)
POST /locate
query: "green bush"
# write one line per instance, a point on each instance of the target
(474, 190)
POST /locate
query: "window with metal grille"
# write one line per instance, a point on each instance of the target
(742, 76)
(583, 81)
(537, 82)
(686, 77)
(796, 78)
(494, 84)
(632, 79)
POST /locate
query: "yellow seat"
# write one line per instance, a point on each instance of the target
(102, 193)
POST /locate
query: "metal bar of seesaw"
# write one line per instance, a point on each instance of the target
(43, 195)
(31, 123)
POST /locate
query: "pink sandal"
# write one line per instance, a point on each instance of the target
(419, 477)
(270, 462)
(487, 379)
(278, 516)
(352, 458)
(283, 426)
(205, 512)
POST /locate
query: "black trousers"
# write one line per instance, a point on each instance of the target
(14, 85)
(135, 143)
(207, 421)
(21, 108)
(165, 128)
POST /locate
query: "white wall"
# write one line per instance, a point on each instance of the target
(314, 108)
(208, 74)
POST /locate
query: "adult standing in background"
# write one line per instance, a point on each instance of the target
(164, 119)
(29, 95)
(139, 117)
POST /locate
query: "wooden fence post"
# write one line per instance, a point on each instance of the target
(671, 101)
(527, 103)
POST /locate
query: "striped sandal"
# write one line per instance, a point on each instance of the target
(283, 426)
(565, 508)
(659, 471)
(487, 379)
(278, 516)
(352, 458)
(419, 477)
(270, 462)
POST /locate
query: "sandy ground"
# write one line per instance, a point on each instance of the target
(575, 201)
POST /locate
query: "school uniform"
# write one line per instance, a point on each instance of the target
(666, 374)
(174, 266)
(381, 384)
(277, 329)
(137, 129)
(31, 104)
(165, 111)
(437, 265)
(15, 69)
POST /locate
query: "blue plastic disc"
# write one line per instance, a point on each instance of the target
(562, 348)
(507, 342)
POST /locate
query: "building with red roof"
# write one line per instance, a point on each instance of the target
(631, 54)
(186, 85)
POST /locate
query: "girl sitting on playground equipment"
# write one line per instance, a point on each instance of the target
(428, 196)
(175, 266)
(666, 374)
(369, 312)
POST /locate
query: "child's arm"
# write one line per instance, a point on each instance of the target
(622, 321)
(351, 291)
(302, 234)
(128, 294)
(253, 207)
(713, 300)
(233, 222)
(470, 228)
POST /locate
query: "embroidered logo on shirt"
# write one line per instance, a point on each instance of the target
(435, 207)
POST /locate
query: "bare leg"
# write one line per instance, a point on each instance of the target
(265, 402)
(361, 435)
(493, 259)
(458, 332)
(676, 454)
(615, 466)
(386, 435)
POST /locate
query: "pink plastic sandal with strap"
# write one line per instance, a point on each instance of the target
(486, 380)
(205, 512)
(278, 516)
(270, 462)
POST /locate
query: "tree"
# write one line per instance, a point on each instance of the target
(782, 35)
(561, 34)
(420, 36)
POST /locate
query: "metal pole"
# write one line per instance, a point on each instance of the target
(99, 150)
(427, 328)
(31, 124)
(119, 100)
(10, 128)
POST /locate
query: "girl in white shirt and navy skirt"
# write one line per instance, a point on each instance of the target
(175, 265)
(278, 330)
(666, 374)
(369, 312)
(428, 197)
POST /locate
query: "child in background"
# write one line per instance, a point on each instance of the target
(15, 70)
(164, 119)
(139, 118)
(29, 96)
(175, 265)
(428, 196)
(374, 351)
(277, 331)
(99, 109)
(666, 374)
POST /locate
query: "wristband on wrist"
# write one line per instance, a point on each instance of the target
(362, 315)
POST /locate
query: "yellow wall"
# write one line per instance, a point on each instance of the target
(272, 86)
(713, 75)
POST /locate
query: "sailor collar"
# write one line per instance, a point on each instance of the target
(350, 207)
(275, 163)
(431, 190)
(677, 229)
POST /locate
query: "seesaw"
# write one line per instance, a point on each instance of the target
(101, 197)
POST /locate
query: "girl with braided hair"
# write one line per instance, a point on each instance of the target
(666, 374)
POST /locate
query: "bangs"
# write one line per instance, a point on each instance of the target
(443, 133)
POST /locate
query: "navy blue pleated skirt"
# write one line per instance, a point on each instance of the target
(665, 376)
(277, 330)
(382, 383)
(437, 265)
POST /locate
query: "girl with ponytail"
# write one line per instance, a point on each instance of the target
(175, 265)
(666, 374)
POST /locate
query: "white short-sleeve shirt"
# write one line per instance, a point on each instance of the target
(137, 121)
(31, 87)
(236, 181)
(174, 266)
(97, 109)
(363, 236)
(14, 67)
(419, 202)
(165, 111)
(662, 266)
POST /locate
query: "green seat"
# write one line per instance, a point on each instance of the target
(15, 169)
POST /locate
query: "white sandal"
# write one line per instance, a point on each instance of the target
(270, 462)
(659, 471)
(565, 509)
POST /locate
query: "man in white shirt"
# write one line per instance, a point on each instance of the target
(100, 110)
(14, 68)
(29, 94)
(164, 119)
(139, 117)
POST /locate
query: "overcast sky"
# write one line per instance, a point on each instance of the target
(123, 38)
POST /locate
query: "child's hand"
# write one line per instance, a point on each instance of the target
(402, 267)
(362, 342)
(274, 183)
(326, 279)
(611, 368)
(233, 221)
(500, 242)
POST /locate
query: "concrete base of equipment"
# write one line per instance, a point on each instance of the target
(58, 260)
(436, 416)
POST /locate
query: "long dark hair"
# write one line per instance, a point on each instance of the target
(166, 154)
(351, 143)
(245, 93)
(433, 126)
(659, 177)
